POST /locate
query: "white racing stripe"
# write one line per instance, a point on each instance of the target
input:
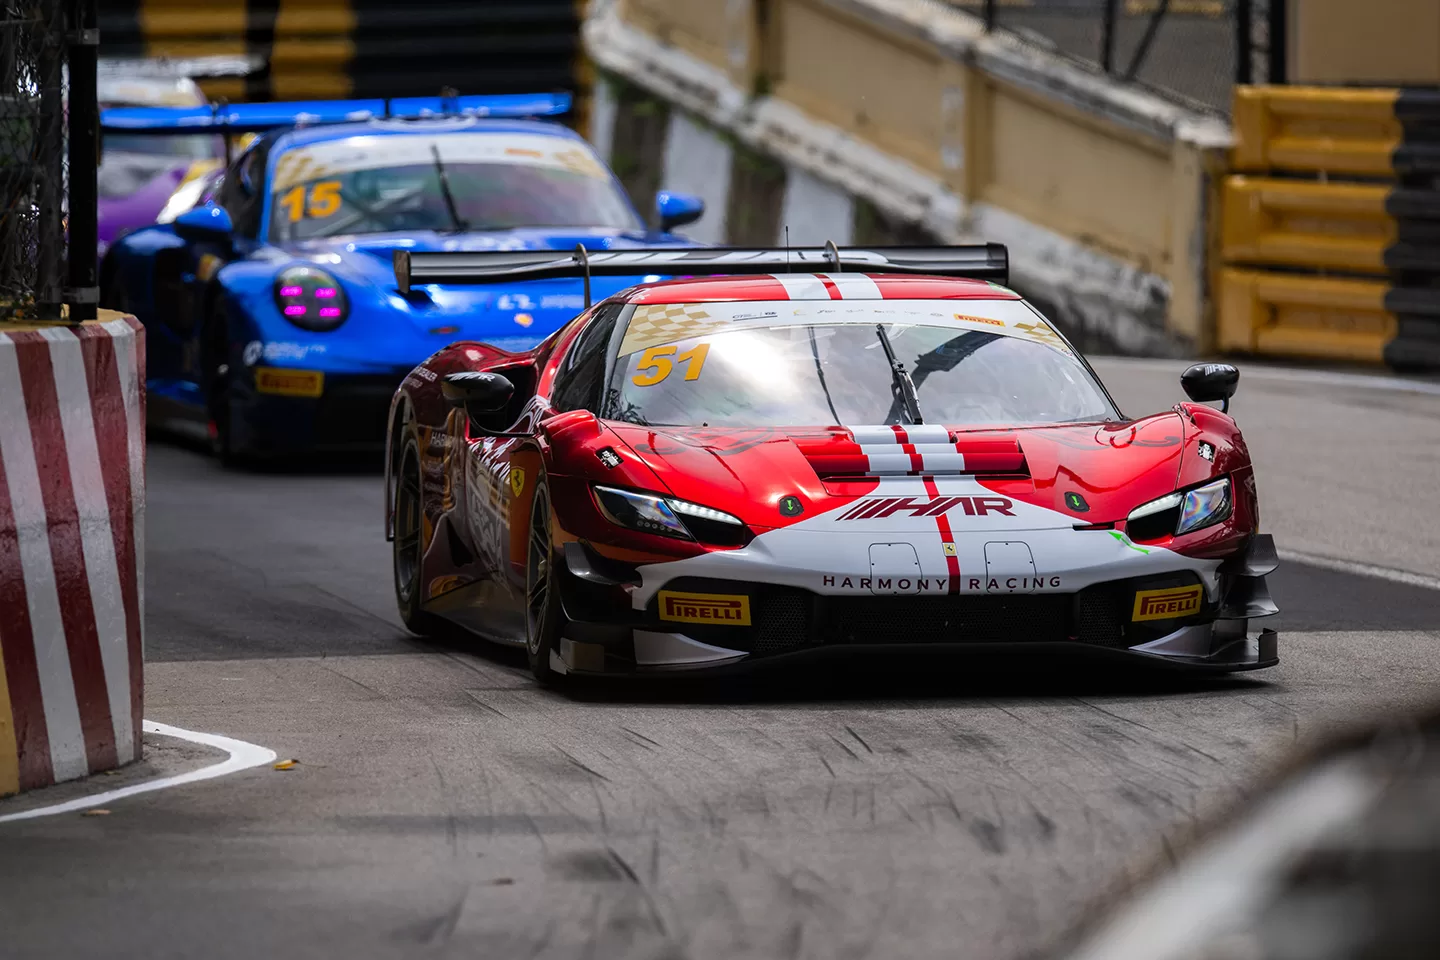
(243, 756)
(926, 433)
(855, 286)
(1361, 569)
(802, 286)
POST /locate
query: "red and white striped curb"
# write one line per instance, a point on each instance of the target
(72, 507)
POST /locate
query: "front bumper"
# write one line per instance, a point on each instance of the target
(349, 415)
(605, 636)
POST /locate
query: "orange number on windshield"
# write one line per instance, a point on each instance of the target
(294, 203)
(657, 361)
(324, 198)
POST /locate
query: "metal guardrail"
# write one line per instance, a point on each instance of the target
(1380, 219)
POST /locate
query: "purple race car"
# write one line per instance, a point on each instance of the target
(143, 179)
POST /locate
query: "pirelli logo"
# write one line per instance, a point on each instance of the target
(1167, 604)
(720, 609)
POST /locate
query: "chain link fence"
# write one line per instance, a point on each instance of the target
(36, 40)
(1191, 51)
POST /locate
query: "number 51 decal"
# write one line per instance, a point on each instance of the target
(324, 200)
(657, 361)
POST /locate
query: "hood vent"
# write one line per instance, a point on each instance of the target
(923, 450)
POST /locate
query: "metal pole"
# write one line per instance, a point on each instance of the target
(1279, 41)
(83, 293)
(49, 172)
(1244, 41)
(990, 14)
(1107, 52)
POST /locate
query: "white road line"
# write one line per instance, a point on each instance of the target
(1361, 569)
(243, 756)
(1333, 378)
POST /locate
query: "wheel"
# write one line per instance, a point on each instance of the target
(215, 353)
(408, 546)
(544, 617)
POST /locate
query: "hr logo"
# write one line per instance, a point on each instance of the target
(879, 508)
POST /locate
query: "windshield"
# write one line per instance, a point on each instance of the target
(745, 366)
(445, 182)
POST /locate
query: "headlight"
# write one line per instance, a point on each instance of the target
(1182, 512)
(665, 517)
(310, 298)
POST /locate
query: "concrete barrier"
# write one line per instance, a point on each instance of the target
(72, 507)
(894, 121)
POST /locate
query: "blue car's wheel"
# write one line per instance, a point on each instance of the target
(215, 357)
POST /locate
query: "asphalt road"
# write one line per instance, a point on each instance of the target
(936, 806)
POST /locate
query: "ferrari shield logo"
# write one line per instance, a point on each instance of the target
(517, 480)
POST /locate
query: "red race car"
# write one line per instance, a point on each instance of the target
(752, 462)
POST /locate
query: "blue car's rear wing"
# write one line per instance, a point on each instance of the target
(984, 261)
(259, 117)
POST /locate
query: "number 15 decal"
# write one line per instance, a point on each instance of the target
(324, 200)
(657, 361)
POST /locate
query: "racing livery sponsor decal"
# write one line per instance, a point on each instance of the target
(517, 480)
(1207, 451)
(713, 608)
(966, 318)
(1167, 604)
(880, 508)
(289, 383)
(839, 583)
(609, 457)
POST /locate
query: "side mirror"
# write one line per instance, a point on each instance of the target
(677, 209)
(208, 222)
(480, 395)
(1204, 382)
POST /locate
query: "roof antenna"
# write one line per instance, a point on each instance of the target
(832, 252)
(787, 248)
(583, 256)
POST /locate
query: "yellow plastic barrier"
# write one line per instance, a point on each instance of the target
(1315, 129)
(1320, 226)
(1304, 316)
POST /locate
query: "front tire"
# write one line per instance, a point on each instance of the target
(544, 617)
(407, 555)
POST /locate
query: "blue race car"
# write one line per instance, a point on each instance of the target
(274, 323)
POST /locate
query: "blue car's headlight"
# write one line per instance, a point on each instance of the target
(1184, 512)
(311, 299)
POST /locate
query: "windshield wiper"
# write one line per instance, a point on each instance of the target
(901, 384)
(460, 225)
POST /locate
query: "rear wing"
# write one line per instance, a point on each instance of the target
(986, 261)
(259, 117)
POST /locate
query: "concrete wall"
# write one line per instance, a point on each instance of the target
(902, 121)
(1380, 42)
(72, 507)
